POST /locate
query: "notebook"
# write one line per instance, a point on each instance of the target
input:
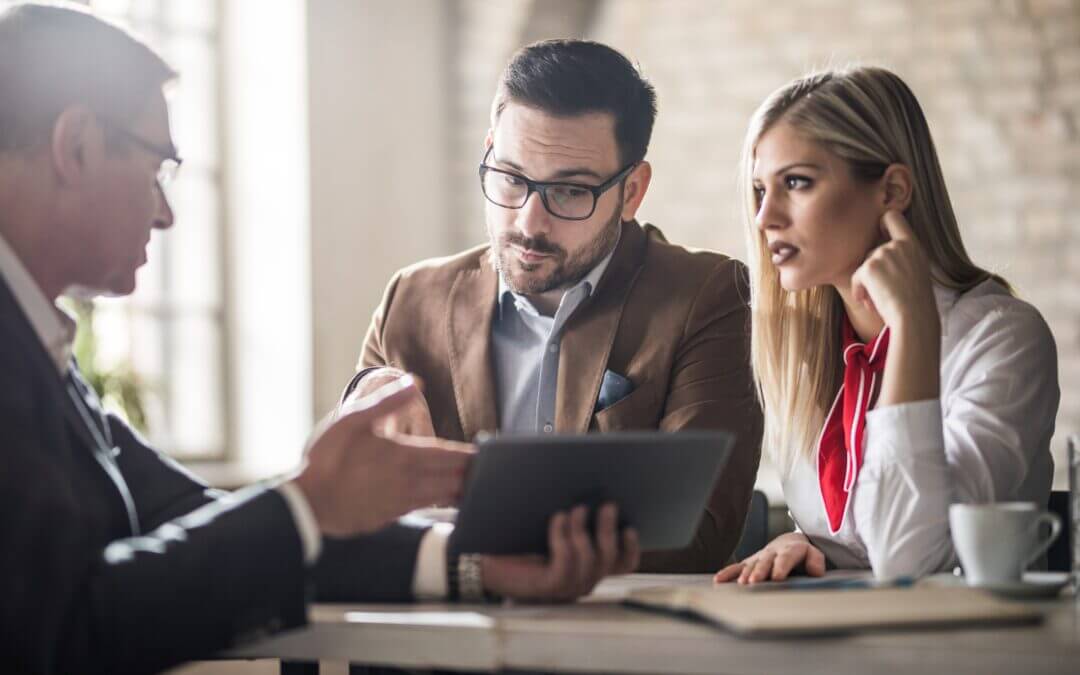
(820, 612)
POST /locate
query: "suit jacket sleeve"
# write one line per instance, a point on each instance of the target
(712, 387)
(161, 488)
(373, 353)
(78, 600)
(373, 568)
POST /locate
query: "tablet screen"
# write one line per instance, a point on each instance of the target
(660, 481)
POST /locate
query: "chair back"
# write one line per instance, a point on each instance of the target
(756, 532)
(1059, 556)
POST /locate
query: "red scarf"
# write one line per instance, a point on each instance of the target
(840, 447)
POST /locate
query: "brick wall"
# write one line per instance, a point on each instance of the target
(487, 33)
(999, 81)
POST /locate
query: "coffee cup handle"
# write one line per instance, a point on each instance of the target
(1054, 520)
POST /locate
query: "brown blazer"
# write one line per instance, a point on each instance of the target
(673, 321)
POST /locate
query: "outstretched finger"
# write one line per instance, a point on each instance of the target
(434, 442)
(430, 459)
(630, 552)
(584, 554)
(784, 563)
(607, 538)
(729, 573)
(859, 290)
(896, 226)
(335, 432)
(435, 489)
(392, 396)
(561, 563)
(815, 562)
(763, 567)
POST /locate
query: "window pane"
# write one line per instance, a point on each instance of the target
(193, 99)
(197, 422)
(194, 278)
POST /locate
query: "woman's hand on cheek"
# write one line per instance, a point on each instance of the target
(894, 280)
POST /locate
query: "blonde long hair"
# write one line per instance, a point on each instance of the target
(871, 119)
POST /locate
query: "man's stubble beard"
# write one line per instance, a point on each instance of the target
(566, 273)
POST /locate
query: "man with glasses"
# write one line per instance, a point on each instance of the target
(574, 317)
(114, 559)
(170, 159)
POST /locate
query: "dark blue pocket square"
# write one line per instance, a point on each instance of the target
(613, 389)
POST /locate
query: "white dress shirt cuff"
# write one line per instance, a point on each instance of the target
(895, 432)
(429, 579)
(306, 525)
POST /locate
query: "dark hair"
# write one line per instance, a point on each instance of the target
(572, 77)
(58, 55)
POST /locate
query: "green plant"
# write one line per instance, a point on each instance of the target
(119, 387)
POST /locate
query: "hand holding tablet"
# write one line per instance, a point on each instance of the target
(577, 559)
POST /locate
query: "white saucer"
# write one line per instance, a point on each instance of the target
(1034, 585)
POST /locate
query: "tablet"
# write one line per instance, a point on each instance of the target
(660, 481)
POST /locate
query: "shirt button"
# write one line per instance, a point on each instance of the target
(553, 347)
(548, 428)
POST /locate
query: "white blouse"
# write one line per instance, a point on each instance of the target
(986, 439)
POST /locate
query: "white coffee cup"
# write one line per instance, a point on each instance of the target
(997, 542)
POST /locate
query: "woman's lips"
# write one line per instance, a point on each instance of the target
(782, 252)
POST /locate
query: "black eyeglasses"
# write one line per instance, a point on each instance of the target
(569, 201)
(170, 160)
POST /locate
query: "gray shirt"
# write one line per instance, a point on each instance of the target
(526, 349)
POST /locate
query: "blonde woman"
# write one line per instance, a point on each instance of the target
(897, 376)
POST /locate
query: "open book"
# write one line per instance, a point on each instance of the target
(814, 612)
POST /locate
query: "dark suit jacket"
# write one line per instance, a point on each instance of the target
(675, 322)
(80, 593)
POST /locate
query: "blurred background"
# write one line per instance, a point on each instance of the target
(328, 143)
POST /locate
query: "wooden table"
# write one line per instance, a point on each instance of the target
(600, 635)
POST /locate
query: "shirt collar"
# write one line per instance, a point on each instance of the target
(589, 282)
(53, 326)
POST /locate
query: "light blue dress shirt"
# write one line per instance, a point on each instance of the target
(526, 349)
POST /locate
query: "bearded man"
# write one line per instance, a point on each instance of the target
(574, 317)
